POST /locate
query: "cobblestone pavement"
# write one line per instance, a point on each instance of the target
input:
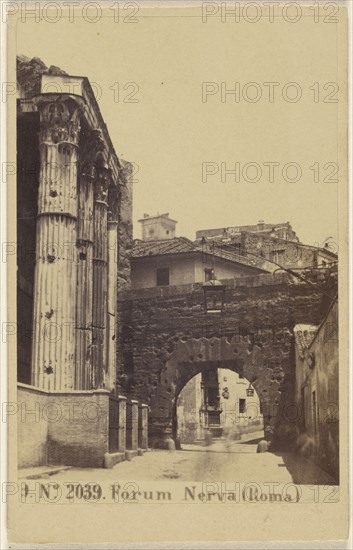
(222, 460)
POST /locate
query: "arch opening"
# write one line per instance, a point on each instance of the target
(217, 404)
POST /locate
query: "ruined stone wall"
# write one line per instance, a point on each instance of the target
(125, 241)
(125, 227)
(167, 339)
(286, 253)
(29, 74)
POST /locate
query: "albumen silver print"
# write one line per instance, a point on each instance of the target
(177, 268)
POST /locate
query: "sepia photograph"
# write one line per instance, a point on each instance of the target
(177, 271)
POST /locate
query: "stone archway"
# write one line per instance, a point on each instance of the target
(193, 356)
(166, 339)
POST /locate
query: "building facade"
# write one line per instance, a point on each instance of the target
(218, 403)
(277, 243)
(317, 391)
(163, 259)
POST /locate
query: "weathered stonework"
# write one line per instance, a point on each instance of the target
(74, 223)
(68, 428)
(168, 339)
(29, 73)
(82, 206)
(125, 226)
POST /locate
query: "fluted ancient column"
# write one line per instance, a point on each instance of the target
(112, 257)
(84, 300)
(100, 278)
(110, 374)
(53, 351)
(91, 145)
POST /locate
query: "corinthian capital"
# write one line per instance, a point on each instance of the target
(102, 186)
(91, 144)
(60, 120)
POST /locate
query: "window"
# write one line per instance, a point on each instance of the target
(163, 276)
(242, 406)
(277, 255)
(212, 396)
(209, 274)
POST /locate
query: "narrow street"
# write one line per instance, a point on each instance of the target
(223, 460)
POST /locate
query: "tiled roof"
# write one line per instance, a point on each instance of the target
(182, 245)
(178, 245)
(304, 335)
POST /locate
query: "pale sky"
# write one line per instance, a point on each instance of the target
(170, 132)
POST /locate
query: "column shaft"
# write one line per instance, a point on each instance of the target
(53, 351)
(84, 306)
(100, 280)
(110, 374)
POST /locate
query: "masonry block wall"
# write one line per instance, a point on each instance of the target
(82, 437)
(62, 428)
(125, 242)
(125, 227)
(168, 339)
(32, 427)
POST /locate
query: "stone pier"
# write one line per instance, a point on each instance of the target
(122, 424)
(143, 427)
(132, 411)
